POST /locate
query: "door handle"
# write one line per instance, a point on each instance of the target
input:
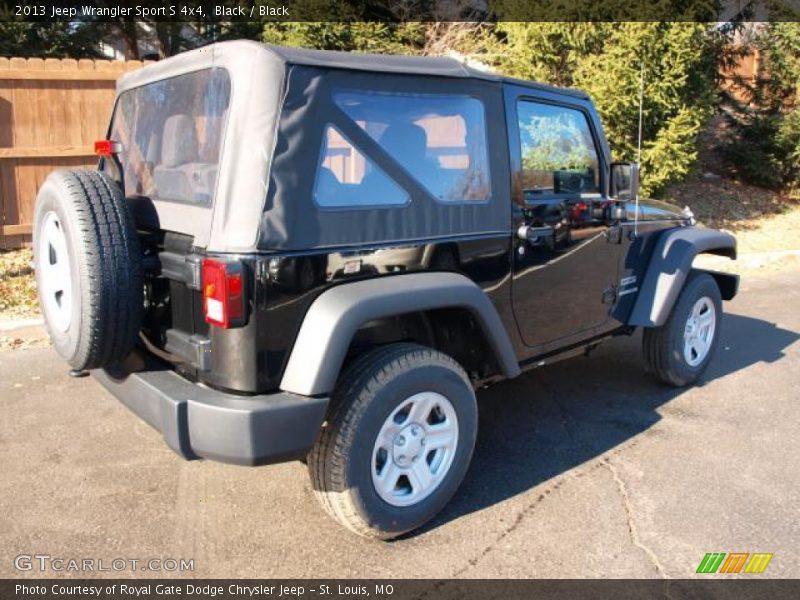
(530, 234)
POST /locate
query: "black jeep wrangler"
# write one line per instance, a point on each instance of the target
(289, 254)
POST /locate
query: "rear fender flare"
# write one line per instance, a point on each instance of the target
(334, 317)
(669, 267)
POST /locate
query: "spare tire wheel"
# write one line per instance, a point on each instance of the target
(88, 268)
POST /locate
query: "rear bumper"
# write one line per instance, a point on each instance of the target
(199, 422)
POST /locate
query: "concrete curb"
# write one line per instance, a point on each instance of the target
(746, 260)
(771, 254)
(14, 324)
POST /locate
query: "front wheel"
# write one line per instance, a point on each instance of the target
(679, 351)
(398, 440)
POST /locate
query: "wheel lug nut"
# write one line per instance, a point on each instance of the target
(401, 441)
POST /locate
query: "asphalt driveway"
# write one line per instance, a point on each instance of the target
(584, 469)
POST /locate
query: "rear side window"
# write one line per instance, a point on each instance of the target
(346, 177)
(171, 134)
(440, 140)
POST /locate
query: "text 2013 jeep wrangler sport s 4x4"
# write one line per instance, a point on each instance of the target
(290, 254)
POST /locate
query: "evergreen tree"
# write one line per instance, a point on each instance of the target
(605, 59)
(765, 147)
(375, 37)
(46, 39)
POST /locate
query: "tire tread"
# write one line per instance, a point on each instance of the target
(108, 247)
(657, 342)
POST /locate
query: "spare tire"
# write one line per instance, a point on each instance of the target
(88, 268)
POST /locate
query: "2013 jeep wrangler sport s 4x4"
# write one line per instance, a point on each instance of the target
(290, 254)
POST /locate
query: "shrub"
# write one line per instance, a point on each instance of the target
(605, 60)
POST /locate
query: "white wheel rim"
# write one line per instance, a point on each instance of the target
(414, 449)
(698, 335)
(55, 280)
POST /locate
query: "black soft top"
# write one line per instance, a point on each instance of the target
(280, 107)
(438, 66)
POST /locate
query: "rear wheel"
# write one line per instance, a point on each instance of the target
(679, 351)
(398, 440)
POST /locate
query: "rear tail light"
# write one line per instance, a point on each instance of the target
(223, 292)
(107, 147)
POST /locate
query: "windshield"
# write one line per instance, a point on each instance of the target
(171, 136)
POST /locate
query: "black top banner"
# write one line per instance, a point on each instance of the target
(394, 11)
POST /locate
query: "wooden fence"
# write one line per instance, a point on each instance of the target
(51, 112)
(743, 74)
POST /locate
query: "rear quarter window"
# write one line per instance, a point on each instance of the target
(345, 177)
(171, 134)
(440, 140)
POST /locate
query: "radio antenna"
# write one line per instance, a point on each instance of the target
(639, 147)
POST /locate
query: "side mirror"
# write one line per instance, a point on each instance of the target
(624, 181)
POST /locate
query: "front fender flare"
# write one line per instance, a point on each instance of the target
(669, 267)
(334, 317)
